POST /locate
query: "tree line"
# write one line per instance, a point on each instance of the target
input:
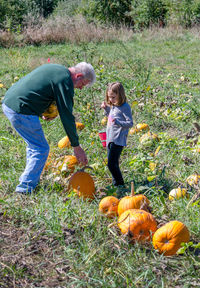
(136, 14)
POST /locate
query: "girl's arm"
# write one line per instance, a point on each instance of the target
(128, 122)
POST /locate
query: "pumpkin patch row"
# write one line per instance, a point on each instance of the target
(140, 225)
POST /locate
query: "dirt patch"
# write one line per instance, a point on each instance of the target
(30, 258)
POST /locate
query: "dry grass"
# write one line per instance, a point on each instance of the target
(62, 30)
(59, 29)
(7, 39)
(171, 31)
(74, 30)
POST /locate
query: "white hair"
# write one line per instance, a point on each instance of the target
(88, 72)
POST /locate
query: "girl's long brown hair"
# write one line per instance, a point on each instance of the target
(118, 89)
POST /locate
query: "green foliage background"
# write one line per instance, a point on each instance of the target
(133, 13)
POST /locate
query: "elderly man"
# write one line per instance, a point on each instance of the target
(28, 98)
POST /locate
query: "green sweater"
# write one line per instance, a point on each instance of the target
(33, 94)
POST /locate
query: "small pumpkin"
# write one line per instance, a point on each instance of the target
(51, 111)
(138, 128)
(138, 224)
(104, 120)
(108, 206)
(168, 238)
(193, 180)
(71, 162)
(48, 162)
(82, 183)
(64, 142)
(80, 126)
(149, 139)
(133, 202)
(177, 193)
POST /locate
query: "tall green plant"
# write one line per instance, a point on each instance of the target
(183, 12)
(67, 7)
(147, 12)
(108, 11)
(46, 7)
(13, 12)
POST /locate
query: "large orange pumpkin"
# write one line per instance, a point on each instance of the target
(108, 206)
(168, 238)
(138, 224)
(82, 183)
(64, 142)
(133, 202)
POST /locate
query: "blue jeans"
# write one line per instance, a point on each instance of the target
(37, 149)
(114, 152)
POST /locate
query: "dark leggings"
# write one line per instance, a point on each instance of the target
(114, 152)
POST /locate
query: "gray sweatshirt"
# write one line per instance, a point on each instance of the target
(117, 132)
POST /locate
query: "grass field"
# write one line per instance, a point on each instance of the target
(54, 239)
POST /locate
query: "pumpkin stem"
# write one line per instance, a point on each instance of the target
(132, 189)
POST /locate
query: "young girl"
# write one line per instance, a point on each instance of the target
(119, 121)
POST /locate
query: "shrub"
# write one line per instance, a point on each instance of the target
(13, 12)
(147, 12)
(185, 13)
(67, 8)
(107, 11)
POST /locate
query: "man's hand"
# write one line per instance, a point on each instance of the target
(80, 155)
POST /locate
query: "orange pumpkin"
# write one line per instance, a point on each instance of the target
(139, 127)
(138, 224)
(168, 238)
(71, 161)
(64, 142)
(48, 162)
(80, 126)
(133, 202)
(108, 206)
(51, 111)
(82, 183)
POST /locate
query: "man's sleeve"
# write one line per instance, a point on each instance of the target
(64, 100)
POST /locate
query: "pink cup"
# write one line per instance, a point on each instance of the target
(102, 135)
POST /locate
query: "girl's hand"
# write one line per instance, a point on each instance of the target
(103, 105)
